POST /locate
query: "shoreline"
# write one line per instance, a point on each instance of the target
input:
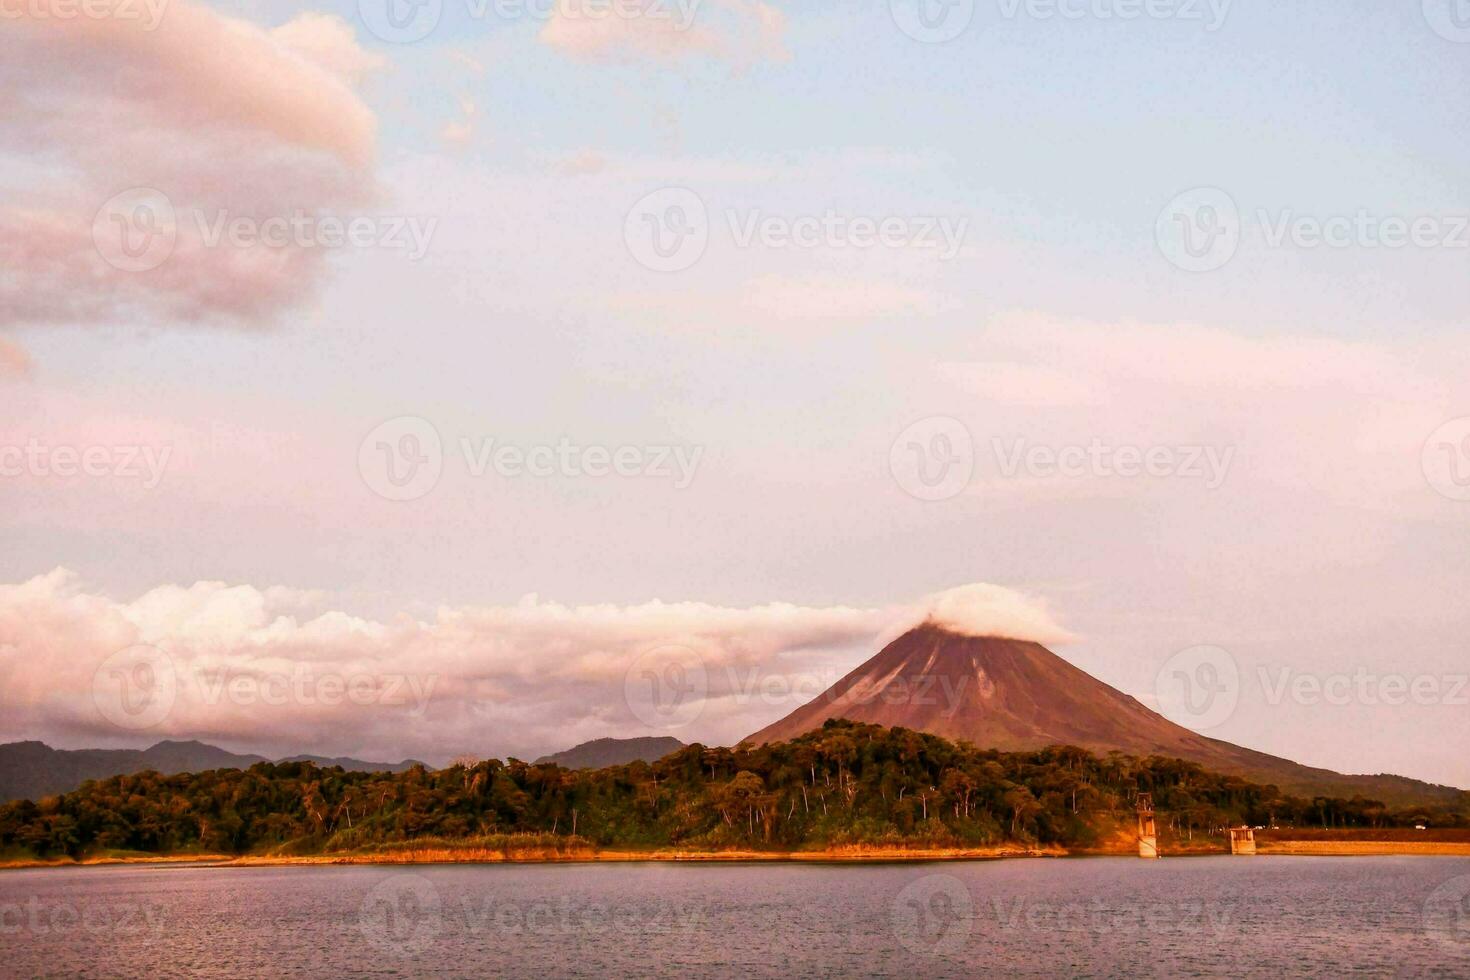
(92, 862)
(623, 856)
(848, 855)
(1363, 848)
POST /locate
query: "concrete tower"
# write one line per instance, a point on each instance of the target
(1148, 831)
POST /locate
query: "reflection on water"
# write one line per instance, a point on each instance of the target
(1265, 916)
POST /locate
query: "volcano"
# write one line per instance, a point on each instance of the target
(1016, 695)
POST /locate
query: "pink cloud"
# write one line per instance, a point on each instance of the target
(215, 116)
(736, 31)
(515, 679)
(14, 361)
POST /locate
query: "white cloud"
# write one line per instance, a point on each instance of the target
(981, 609)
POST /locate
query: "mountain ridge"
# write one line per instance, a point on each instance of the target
(32, 769)
(600, 753)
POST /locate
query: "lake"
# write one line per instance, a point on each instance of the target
(1240, 917)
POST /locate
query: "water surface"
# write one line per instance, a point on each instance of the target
(1239, 917)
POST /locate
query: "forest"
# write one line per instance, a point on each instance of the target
(845, 784)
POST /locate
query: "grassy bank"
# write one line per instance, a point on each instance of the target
(542, 849)
(1449, 841)
(539, 856)
(112, 857)
(1361, 848)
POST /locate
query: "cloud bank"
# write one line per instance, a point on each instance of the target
(275, 670)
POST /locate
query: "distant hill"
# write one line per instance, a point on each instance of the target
(1016, 695)
(603, 752)
(31, 770)
(356, 765)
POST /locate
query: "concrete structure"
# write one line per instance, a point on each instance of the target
(1242, 840)
(1148, 831)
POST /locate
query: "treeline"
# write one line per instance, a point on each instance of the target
(844, 784)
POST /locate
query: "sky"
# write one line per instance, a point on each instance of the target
(521, 363)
